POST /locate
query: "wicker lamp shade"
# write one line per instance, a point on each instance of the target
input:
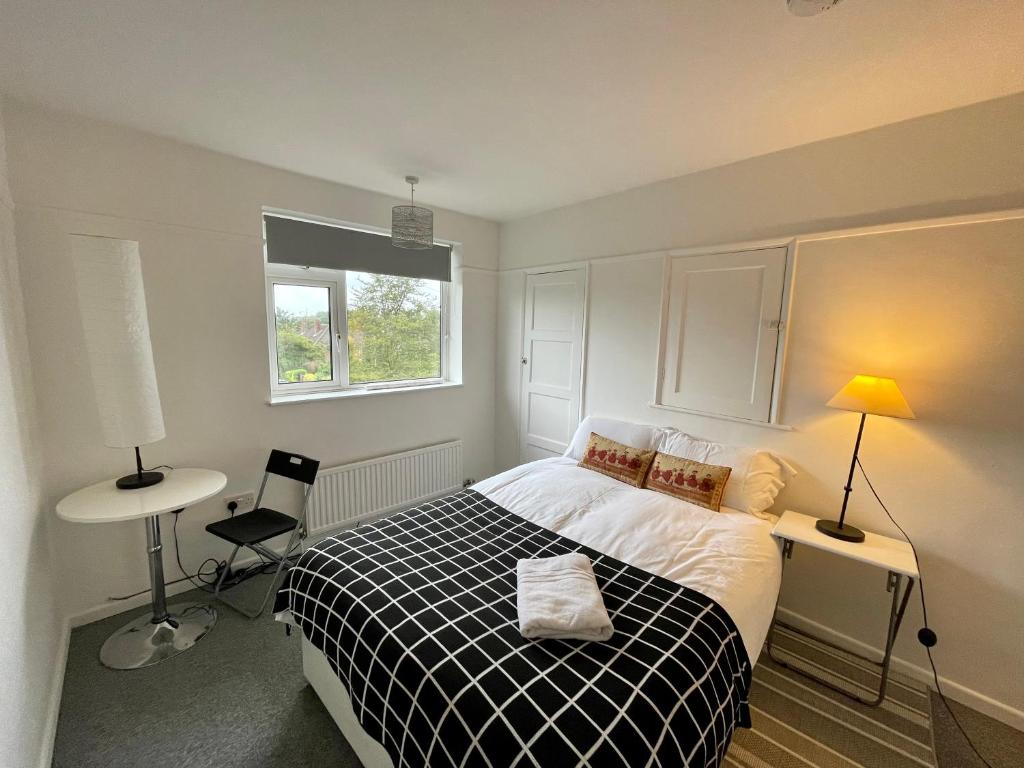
(412, 226)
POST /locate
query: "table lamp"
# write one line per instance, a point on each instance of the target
(863, 394)
(112, 303)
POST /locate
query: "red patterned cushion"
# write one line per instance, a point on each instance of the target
(623, 462)
(689, 480)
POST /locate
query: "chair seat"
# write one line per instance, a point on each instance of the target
(253, 527)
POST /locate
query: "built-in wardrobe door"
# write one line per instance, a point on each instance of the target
(721, 327)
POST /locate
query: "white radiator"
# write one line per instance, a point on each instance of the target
(349, 493)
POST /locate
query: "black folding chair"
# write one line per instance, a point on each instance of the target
(251, 529)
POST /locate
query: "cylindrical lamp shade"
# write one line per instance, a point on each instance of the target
(112, 303)
(412, 227)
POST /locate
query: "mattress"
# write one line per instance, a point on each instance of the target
(729, 555)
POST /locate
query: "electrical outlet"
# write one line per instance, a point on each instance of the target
(246, 501)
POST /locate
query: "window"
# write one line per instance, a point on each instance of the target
(346, 330)
(348, 311)
(723, 333)
(304, 329)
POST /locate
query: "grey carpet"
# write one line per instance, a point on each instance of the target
(1001, 745)
(236, 699)
(239, 699)
(798, 722)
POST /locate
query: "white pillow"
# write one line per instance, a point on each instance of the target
(643, 436)
(757, 476)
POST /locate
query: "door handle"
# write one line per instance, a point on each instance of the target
(523, 361)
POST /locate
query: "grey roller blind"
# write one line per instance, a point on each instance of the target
(307, 244)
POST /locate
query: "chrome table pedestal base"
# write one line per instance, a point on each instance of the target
(168, 630)
(144, 641)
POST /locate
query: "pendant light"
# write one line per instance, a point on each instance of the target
(412, 226)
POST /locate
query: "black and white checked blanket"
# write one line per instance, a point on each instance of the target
(416, 614)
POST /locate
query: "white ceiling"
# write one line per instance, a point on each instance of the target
(506, 108)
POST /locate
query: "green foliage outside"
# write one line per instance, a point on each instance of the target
(300, 358)
(394, 330)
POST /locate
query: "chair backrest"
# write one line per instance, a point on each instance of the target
(294, 466)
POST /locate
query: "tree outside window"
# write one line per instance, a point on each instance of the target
(394, 328)
(303, 317)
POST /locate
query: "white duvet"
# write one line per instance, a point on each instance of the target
(728, 555)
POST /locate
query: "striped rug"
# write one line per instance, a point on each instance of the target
(800, 724)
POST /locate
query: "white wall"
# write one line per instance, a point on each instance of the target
(962, 161)
(197, 216)
(31, 634)
(938, 308)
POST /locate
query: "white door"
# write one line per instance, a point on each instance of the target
(552, 363)
(722, 334)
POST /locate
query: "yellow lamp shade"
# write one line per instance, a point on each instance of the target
(872, 394)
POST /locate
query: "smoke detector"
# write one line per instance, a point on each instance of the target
(811, 7)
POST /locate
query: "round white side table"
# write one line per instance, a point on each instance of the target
(170, 629)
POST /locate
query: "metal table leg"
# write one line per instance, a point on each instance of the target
(900, 598)
(167, 630)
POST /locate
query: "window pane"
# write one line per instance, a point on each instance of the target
(394, 328)
(303, 317)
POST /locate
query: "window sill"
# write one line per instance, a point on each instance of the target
(307, 397)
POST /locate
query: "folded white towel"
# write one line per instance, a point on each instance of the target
(558, 597)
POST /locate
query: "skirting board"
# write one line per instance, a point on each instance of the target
(961, 693)
(111, 608)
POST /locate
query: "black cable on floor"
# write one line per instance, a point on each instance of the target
(263, 566)
(926, 636)
(209, 578)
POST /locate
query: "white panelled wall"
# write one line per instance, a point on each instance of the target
(938, 308)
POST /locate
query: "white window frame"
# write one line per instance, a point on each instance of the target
(336, 281)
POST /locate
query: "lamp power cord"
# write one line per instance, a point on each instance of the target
(926, 636)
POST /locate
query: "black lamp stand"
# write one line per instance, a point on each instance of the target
(837, 529)
(143, 479)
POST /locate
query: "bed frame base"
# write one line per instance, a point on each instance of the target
(335, 698)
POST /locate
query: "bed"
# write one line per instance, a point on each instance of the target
(409, 634)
